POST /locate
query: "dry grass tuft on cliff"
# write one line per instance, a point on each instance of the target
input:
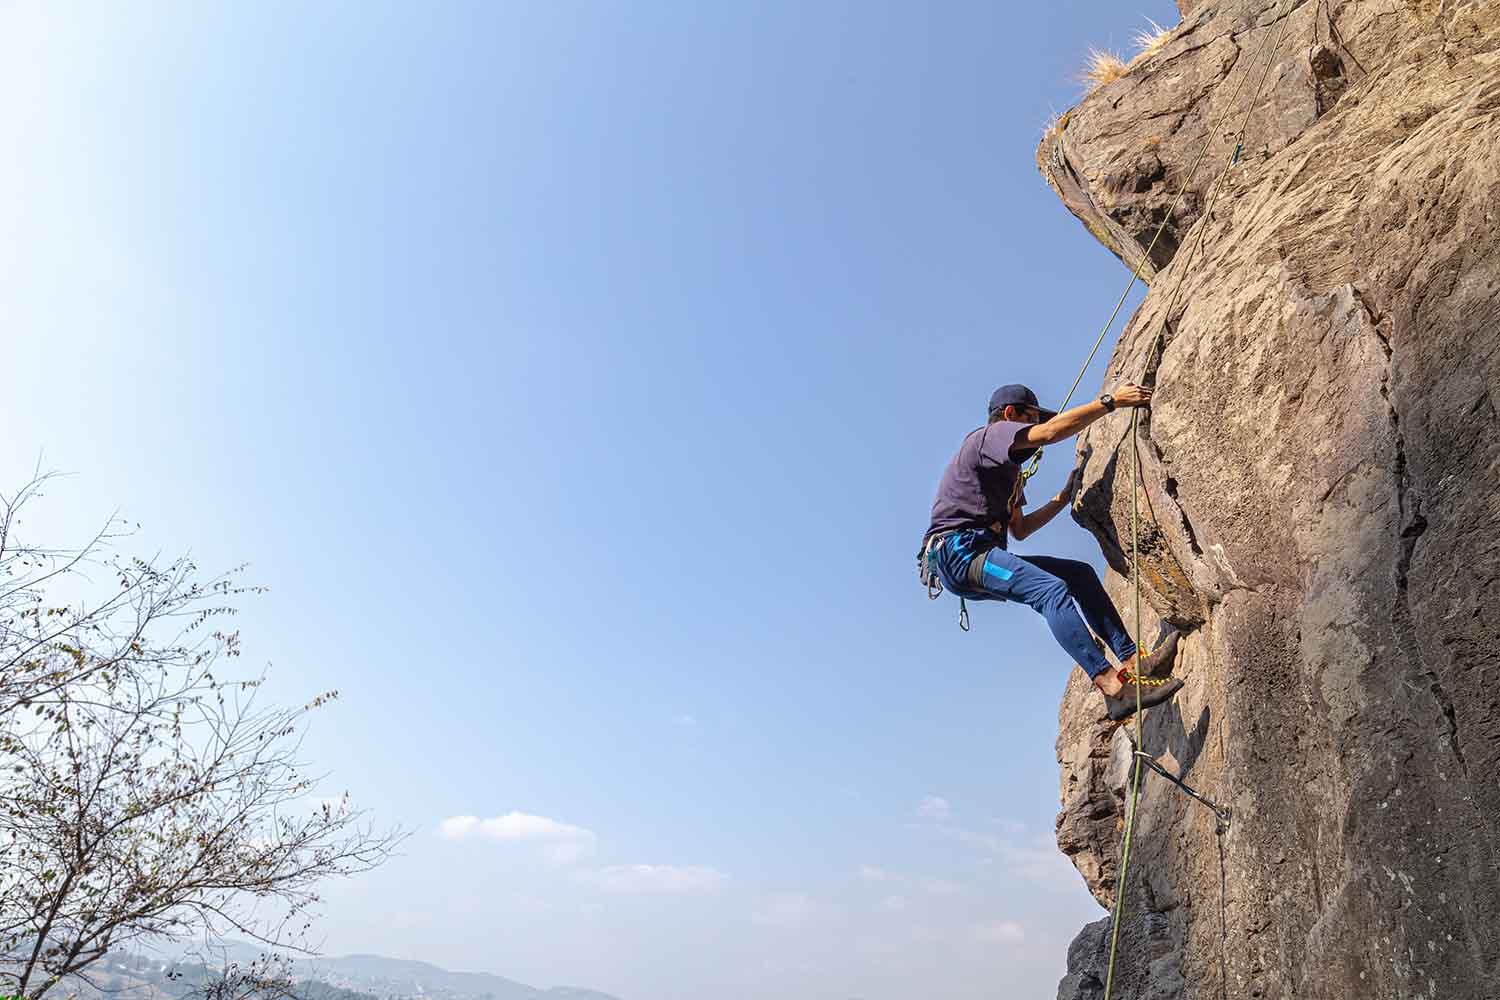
(1148, 42)
(1103, 67)
(1056, 123)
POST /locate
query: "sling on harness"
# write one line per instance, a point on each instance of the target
(928, 573)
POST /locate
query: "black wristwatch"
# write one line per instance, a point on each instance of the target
(1108, 402)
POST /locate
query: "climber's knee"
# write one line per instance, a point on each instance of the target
(1078, 575)
(1076, 571)
(1052, 594)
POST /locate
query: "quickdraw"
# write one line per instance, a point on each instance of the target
(1222, 814)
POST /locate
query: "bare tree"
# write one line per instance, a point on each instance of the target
(268, 976)
(141, 796)
(60, 623)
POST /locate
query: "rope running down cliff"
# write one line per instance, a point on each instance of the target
(1157, 344)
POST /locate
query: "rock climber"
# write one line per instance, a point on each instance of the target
(981, 502)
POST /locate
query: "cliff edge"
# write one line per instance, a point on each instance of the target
(1320, 505)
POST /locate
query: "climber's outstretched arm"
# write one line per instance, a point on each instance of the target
(1070, 422)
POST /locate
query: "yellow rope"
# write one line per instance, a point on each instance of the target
(1135, 516)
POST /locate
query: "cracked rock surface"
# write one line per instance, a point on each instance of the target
(1320, 507)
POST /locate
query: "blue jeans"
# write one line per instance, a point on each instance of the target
(1056, 588)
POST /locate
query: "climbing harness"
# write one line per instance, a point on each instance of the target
(1143, 760)
(928, 574)
(978, 545)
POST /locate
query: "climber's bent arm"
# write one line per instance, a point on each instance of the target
(1022, 524)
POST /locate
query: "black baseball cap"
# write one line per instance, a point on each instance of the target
(1018, 395)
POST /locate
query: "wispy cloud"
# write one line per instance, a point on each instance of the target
(511, 826)
(562, 843)
(567, 844)
(1035, 859)
(1007, 845)
(1039, 861)
(655, 878)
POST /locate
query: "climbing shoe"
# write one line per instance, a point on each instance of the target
(1122, 706)
(1158, 662)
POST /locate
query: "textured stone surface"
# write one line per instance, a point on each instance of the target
(1320, 505)
(1084, 980)
(1119, 159)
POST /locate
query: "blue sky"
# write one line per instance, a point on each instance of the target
(577, 376)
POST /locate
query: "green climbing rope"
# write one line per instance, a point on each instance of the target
(1135, 463)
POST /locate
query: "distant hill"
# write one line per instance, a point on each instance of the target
(352, 977)
(400, 978)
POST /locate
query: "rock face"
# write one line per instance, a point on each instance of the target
(1320, 504)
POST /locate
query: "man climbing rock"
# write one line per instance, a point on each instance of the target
(981, 502)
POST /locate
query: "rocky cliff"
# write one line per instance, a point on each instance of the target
(1321, 505)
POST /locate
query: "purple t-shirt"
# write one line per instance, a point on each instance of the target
(976, 487)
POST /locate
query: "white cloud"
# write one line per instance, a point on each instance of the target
(687, 722)
(1035, 859)
(871, 873)
(566, 844)
(1001, 932)
(655, 878)
(511, 826)
(893, 904)
(1040, 861)
(933, 807)
(562, 843)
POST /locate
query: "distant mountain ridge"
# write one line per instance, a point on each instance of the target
(397, 977)
(159, 976)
